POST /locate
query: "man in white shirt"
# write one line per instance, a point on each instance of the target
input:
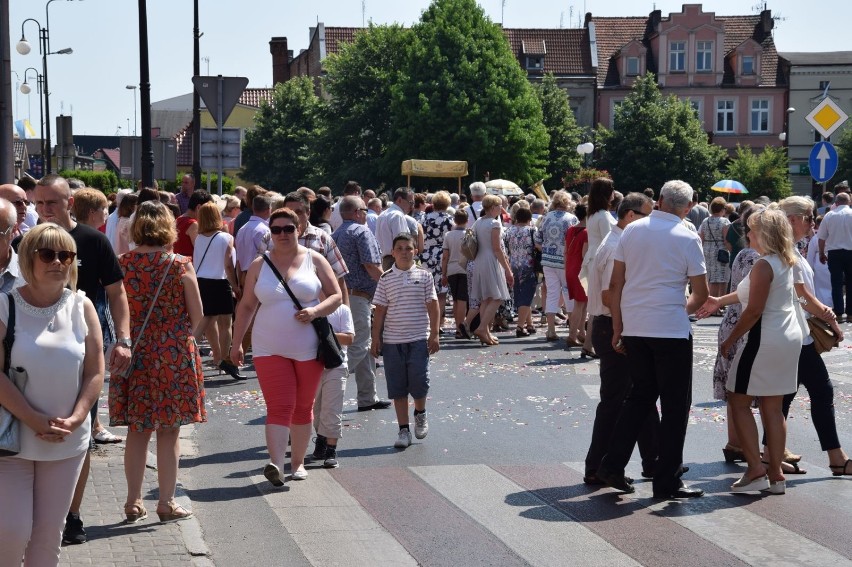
(615, 369)
(374, 209)
(655, 259)
(253, 238)
(391, 223)
(335, 220)
(112, 219)
(477, 192)
(835, 247)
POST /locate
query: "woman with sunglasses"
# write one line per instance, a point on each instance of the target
(812, 371)
(164, 387)
(284, 344)
(59, 345)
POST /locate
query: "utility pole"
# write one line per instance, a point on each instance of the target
(7, 156)
(196, 102)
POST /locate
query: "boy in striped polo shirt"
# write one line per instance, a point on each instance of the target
(405, 333)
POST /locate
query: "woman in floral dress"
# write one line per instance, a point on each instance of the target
(164, 387)
(435, 225)
(519, 240)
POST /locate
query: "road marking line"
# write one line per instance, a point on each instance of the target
(594, 392)
(539, 533)
(329, 525)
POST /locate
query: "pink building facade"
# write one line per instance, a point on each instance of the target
(727, 67)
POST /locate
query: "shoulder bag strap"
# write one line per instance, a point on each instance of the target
(284, 283)
(206, 249)
(9, 339)
(153, 302)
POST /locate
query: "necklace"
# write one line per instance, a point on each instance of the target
(42, 312)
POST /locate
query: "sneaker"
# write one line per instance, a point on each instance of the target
(73, 533)
(403, 440)
(320, 445)
(330, 458)
(421, 426)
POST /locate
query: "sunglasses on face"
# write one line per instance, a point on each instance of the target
(286, 229)
(47, 256)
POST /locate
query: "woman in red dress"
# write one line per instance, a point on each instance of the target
(187, 224)
(576, 244)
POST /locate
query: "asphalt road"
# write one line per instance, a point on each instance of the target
(498, 479)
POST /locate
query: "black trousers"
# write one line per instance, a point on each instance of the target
(813, 375)
(840, 269)
(616, 383)
(661, 368)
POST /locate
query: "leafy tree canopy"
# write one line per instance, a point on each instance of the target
(358, 126)
(844, 158)
(463, 96)
(764, 173)
(279, 152)
(656, 139)
(562, 127)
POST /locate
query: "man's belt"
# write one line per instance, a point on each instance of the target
(359, 293)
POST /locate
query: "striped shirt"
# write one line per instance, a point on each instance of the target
(405, 293)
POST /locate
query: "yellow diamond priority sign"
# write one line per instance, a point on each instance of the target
(826, 117)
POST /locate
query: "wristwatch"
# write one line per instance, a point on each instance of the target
(124, 342)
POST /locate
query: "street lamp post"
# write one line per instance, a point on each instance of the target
(584, 150)
(25, 88)
(132, 88)
(23, 47)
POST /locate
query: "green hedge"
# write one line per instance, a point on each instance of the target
(106, 181)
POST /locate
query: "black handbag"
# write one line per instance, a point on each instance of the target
(328, 351)
(722, 255)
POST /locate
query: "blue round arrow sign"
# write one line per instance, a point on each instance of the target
(823, 161)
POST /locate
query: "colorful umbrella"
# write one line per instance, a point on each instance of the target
(503, 187)
(729, 186)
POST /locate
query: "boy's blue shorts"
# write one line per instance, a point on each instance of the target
(406, 369)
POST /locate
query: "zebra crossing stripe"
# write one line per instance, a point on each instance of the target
(329, 525)
(537, 532)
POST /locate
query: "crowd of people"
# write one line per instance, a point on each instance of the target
(157, 274)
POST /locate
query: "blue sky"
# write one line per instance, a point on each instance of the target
(91, 83)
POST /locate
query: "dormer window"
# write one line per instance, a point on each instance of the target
(704, 56)
(677, 56)
(748, 65)
(535, 62)
(632, 66)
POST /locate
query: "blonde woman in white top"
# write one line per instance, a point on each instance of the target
(59, 344)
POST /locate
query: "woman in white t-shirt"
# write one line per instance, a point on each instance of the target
(59, 345)
(218, 284)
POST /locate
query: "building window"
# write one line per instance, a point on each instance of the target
(725, 116)
(748, 65)
(632, 66)
(535, 63)
(677, 56)
(697, 108)
(823, 84)
(704, 56)
(760, 116)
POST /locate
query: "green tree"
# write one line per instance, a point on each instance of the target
(655, 139)
(764, 173)
(562, 127)
(357, 120)
(463, 96)
(279, 152)
(844, 158)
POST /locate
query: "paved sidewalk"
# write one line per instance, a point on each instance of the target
(147, 543)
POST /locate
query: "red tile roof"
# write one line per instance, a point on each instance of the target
(614, 33)
(611, 35)
(252, 97)
(113, 156)
(567, 50)
(335, 36)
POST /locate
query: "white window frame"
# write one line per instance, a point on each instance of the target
(703, 56)
(535, 62)
(764, 109)
(698, 106)
(753, 65)
(677, 56)
(627, 64)
(732, 112)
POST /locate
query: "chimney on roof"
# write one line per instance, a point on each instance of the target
(280, 60)
(587, 20)
(766, 22)
(654, 19)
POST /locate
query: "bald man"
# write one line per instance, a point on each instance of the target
(18, 198)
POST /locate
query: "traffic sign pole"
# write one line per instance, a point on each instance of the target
(219, 135)
(823, 162)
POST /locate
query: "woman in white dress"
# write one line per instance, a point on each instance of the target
(492, 274)
(766, 365)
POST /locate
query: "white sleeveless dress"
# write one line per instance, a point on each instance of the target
(767, 364)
